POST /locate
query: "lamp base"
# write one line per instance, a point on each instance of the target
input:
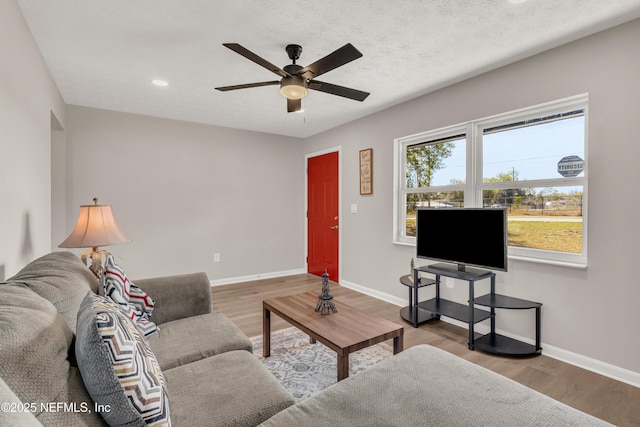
(95, 259)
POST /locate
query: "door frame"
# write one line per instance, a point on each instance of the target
(337, 149)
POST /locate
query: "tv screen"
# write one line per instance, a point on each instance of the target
(463, 236)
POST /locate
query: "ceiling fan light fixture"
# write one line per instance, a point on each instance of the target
(294, 87)
(295, 80)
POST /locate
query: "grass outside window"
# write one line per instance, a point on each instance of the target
(561, 233)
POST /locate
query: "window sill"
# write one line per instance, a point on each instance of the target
(570, 264)
(548, 257)
(401, 243)
(578, 264)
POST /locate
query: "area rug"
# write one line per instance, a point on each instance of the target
(306, 369)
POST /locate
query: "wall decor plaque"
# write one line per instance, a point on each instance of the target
(366, 171)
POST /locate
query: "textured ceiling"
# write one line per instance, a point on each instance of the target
(104, 54)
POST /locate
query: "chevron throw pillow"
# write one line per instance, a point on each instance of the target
(118, 368)
(134, 301)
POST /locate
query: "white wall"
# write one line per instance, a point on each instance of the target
(185, 191)
(28, 98)
(593, 312)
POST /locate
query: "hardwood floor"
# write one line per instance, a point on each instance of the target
(610, 400)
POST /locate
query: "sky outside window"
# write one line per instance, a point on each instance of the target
(530, 152)
(533, 152)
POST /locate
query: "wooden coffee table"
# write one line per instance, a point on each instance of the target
(344, 332)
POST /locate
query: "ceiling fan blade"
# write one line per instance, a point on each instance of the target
(255, 58)
(248, 85)
(346, 92)
(335, 59)
(294, 105)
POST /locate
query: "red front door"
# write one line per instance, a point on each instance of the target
(322, 215)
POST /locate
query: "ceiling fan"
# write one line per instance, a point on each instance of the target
(297, 79)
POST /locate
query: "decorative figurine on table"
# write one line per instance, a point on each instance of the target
(411, 273)
(325, 305)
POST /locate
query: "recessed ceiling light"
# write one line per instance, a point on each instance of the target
(161, 83)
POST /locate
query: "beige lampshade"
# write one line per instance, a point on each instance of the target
(95, 227)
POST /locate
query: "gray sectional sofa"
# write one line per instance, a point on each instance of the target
(212, 378)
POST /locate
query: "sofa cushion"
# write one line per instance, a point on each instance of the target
(134, 301)
(238, 391)
(118, 367)
(34, 347)
(62, 279)
(429, 387)
(186, 340)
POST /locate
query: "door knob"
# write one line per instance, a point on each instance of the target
(335, 227)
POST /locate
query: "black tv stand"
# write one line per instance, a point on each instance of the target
(420, 312)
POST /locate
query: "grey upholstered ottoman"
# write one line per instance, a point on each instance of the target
(427, 386)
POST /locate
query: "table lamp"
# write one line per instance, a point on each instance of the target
(95, 227)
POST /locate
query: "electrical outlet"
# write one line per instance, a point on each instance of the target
(216, 257)
(448, 282)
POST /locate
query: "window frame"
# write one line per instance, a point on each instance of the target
(400, 182)
(474, 185)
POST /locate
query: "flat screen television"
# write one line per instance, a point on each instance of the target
(463, 236)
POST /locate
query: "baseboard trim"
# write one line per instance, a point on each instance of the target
(260, 276)
(373, 293)
(599, 367)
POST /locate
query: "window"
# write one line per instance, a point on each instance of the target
(433, 175)
(531, 162)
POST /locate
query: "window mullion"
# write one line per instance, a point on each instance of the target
(533, 183)
(438, 189)
(473, 193)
